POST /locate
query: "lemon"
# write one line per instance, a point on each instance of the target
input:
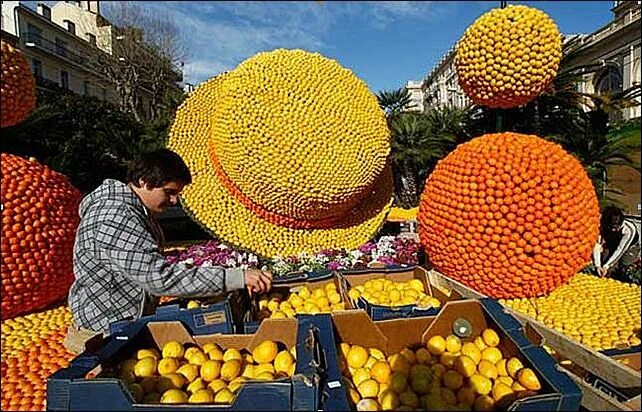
(189, 352)
(436, 345)
(409, 355)
(354, 395)
(145, 367)
(448, 359)
(484, 403)
(231, 369)
(448, 396)
(513, 366)
(361, 375)
(196, 385)
(453, 344)
(409, 398)
(487, 369)
(388, 400)
(189, 371)
(368, 388)
(357, 356)
(420, 383)
(193, 304)
(214, 353)
(500, 390)
(399, 363)
(144, 353)
(167, 365)
(466, 395)
(422, 355)
(527, 378)
(398, 382)
(472, 351)
(210, 370)
(479, 342)
(501, 367)
(380, 372)
(216, 385)
(173, 396)
(453, 380)
(173, 349)
(232, 353)
(170, 381)
(490, 337)
(201, 396)
(224, 396)
(492, 354)
(368, 405)
(480, 384)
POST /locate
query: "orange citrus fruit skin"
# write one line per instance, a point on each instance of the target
(509, 215)
(18, 88)
(39, 221)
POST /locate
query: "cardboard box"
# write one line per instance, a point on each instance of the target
(216, 315)
(253, 315)
(391, 336)
(382, 312)
(69, 389)
(603, 368)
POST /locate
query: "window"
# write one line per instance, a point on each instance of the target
(91, 39)
(609, 81)
(34, 34)
(61, 47)
(45, 11)
(36, 67)
(64, 79)
(86, 88)
(71, 27)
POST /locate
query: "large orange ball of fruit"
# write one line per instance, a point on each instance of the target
(508, 56)
(509, 215)
(39, 220)
(18, 87)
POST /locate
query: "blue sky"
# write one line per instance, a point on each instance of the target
(384, 43)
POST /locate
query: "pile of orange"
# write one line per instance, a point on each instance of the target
(32, 350)
(18, 89)
(509, 215)
(39, 220)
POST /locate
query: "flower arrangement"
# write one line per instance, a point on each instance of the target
(387, 250)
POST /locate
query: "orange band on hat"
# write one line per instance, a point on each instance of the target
(263, 213)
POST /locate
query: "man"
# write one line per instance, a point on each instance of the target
(618, 245)
(118, 266)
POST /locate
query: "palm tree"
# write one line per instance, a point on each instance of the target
(394, 102)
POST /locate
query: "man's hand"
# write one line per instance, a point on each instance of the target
(602, 271)
(257, 281)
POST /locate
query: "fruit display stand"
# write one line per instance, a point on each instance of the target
(262, 308)
(599, 376)
(384, 311)
(92, 383)
(213, 315)
(465, 320)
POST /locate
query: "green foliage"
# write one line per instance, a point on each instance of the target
(82, 137)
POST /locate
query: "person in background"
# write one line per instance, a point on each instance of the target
(119, 268)
(618, 244)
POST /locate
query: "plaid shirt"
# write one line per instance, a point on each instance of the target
(119, 268)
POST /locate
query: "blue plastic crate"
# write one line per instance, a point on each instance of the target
(216, 317)
(381, 312)
(68, 389)
(467, 318)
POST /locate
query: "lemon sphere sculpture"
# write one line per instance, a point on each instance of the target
(507, 57)
(288, 153)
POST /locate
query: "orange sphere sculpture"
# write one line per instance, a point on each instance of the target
(509, 215)
(18, 91)
(39, 221)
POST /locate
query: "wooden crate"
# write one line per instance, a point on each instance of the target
(586, 361)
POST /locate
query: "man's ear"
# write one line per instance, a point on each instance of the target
(142, 184)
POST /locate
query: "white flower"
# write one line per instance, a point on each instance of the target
(207, 263)
(189, 261)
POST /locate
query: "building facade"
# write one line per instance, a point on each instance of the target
(441, 85)
(60, 44)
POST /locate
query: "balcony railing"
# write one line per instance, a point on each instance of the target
(32, 39)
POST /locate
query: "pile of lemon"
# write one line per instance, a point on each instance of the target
(386, 292)
(301, 299)
(445, 374)
(601, 313)
(201, 375)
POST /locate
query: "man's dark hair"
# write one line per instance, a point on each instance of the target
(159, 167)
(611, 216)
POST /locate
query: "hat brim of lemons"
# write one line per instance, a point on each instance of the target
(211, 205)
